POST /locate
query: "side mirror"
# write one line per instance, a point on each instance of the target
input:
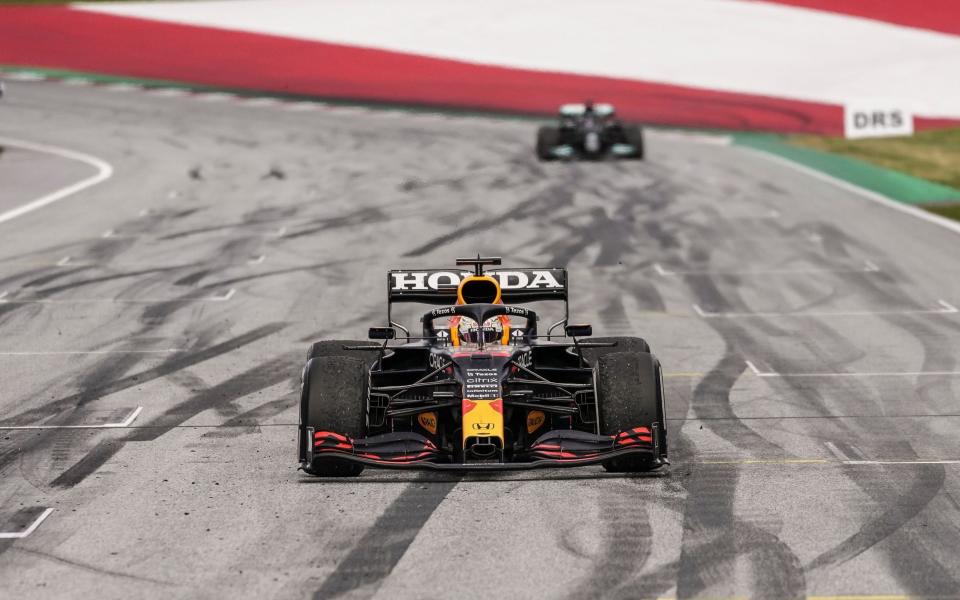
(576, 331)
(382, 333)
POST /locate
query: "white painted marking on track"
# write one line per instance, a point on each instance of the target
(33, 527)
(215, 298)
(258, 260)
(902, 462)
(25, 76)
(104, 172)
(948, 308)
(759, 373)
(63, 261)
(945, 309)
(919, 213)
(169, 92)
(76, 81)
(214, 96)
(84, 352)
(108, 233)
(868, 267)
(122, 87)
(258, 102)
(119, 425)
(3, 295)
(836, 452)
(224, 297)
(303, 106)
(282, 232)
(753, 368)
(700, 138)
(133, 417)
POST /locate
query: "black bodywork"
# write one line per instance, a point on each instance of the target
(420, 388)
(589, 134)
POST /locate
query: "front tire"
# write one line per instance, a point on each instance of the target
(623, 344)
(634, 137)
(629, 394)
(548, 138)
(334, 398)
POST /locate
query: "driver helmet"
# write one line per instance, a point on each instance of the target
(479, 289)
(470, 333)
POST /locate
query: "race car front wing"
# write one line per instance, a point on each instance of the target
(558, 448)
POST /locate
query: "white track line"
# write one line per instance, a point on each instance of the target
(919, 213)
(33, 526)
(946, 309)
(868, 267)
(214, 96)
(84, 352)
(224, 297)
(214, 298)
(169, 92)
(122, 87)
(76, 81)
(125, 423)
(302, 106)
(836, 452)
(754, 368)
(258, 260)
(901, 462)
(24, 76)
(257, 102)
(105, 171)
(758, 373)
(63, 261)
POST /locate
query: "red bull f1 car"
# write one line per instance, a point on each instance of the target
(481, 387)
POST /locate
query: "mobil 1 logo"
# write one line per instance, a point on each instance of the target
(481, 384)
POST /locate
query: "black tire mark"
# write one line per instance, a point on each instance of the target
(712, 540)
(545, 202)
(627, 544)
(904, 507)
(253, 380)
(170, 366)
(372, 560)
(712, 536)
(248, 422)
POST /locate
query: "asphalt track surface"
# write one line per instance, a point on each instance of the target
(808, 335)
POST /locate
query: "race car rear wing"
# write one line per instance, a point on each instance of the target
(439, 286)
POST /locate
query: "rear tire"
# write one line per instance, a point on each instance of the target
(629, 395)
(548, 138)
(634, 137)
(334, 399)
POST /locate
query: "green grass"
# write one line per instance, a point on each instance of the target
(951, 211)
(930, 155)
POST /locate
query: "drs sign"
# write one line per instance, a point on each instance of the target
(864, 120)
